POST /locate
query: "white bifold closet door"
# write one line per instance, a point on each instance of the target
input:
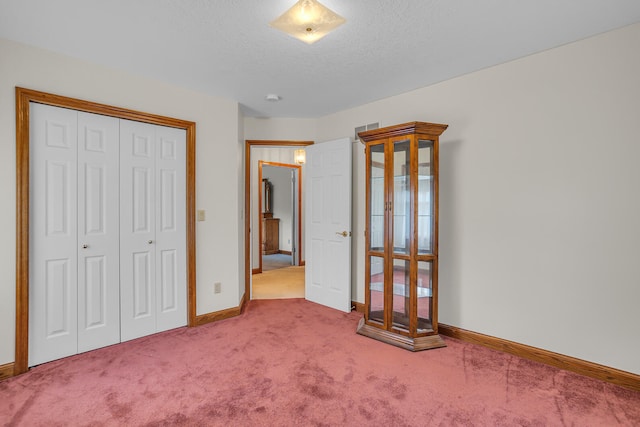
(74, 255)
(107, 258)
(152, 228)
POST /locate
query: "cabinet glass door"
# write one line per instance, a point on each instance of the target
(425, 197)
(401, 197)
(401, 228)
(377, 232)
(425, 296)
(376, 289)
(377, 197)
(401, 294)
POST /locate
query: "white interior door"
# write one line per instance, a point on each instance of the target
(328, 224)
(98, 231)
(153, 290)
(171, 228)
(53, 250)
(137, 229)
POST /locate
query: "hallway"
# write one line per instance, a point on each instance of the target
(280, 283)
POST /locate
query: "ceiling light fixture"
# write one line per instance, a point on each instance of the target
(308, 20)
(272, 97)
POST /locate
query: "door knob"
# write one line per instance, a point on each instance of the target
(150, 241)
(343, 233)
(85, 246)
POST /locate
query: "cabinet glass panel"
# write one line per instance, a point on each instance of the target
(401, 197)
(376, 289)
(425, 196)
(376, 186)
(424, 296)
(401, 294)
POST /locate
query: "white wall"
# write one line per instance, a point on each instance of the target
(217, 178)
(539, 207)
(280, 129)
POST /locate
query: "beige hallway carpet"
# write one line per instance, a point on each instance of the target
(281, 283)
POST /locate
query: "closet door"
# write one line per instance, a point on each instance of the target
(98, 232)
(107, 231)
(53, 250)
(137, 229)
(171, 231)
(152, 229)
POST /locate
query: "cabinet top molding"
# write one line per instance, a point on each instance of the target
(431, 129)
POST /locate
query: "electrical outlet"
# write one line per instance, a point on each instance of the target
(217, 288)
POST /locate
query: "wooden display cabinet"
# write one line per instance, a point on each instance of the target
(401, 267)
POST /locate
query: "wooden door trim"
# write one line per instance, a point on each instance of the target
(247, 200)
(259, 207)
(23, 98)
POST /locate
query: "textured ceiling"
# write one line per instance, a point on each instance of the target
(226, 47)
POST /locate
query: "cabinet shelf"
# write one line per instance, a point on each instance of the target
(401, 290)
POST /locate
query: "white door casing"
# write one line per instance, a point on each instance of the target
(327, 219)
(53, 238)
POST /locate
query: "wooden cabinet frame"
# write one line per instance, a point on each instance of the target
(406, 329)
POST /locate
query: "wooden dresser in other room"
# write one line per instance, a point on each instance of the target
(270, 234)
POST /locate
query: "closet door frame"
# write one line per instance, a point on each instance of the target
(23, 99)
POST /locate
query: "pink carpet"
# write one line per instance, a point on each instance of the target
(294, 363)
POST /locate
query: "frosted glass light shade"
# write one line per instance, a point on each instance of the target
(308, 20)
(300, 156)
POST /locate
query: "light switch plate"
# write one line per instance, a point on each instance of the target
(201, 215)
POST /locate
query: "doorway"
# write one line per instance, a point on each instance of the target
(260, 156)
(279, 208)
(280, 274)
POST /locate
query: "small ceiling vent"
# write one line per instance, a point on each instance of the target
(363, 128)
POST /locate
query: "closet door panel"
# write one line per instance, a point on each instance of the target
(171, 283)
(53, 234)
(98, 231)
(137, 229)
(143, 293)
